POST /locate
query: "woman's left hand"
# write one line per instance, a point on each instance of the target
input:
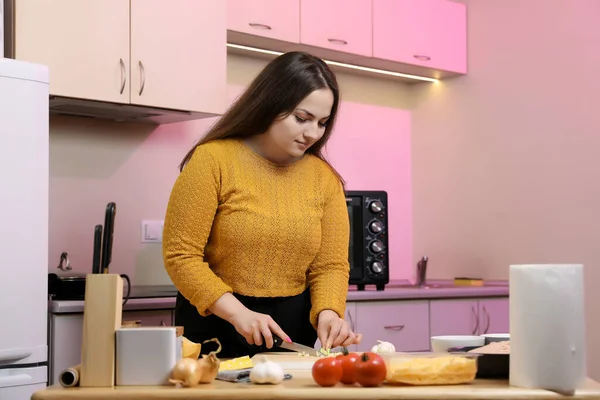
(334, 331)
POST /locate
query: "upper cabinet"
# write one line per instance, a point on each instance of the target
(128, 59)
(182, 65)
(87, 57)
(351, 31)
(429, 33)
(427, 38)
(272, 19)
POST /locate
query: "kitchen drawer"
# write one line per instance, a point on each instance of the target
(403, 323)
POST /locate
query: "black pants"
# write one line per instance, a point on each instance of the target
(290, 313)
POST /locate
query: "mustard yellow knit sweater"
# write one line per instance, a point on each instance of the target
(236, 222)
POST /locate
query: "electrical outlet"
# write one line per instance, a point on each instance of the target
(152, 231)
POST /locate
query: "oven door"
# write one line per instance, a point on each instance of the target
(356, 246)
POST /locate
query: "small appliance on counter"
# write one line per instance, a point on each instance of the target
(68, 285)
(368, 251)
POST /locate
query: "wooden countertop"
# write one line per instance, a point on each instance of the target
(302, 386)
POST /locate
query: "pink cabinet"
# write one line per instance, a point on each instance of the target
(170, 63)
(273, 19)
(337, 25)
(469, 317)
(429, 33)
(494, 316)
(403, 323)
(454, 317)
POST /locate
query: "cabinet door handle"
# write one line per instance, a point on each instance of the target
(142, 77)
(351, 321)
(421, 57)
(337, 41)
(487, 316)
(259, 26)
(476, 320)
(394, 327)
(123, 75)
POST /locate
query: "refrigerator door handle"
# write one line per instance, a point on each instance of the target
(12, 355)
(15, 380)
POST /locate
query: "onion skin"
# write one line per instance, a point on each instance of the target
(188, 372)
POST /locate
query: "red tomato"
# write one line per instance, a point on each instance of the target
(348, 361)
(370, 370)
(327, 371)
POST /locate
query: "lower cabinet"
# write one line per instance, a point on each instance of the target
(403, 323)
(409, 324)
(65, 333)
(469, 316)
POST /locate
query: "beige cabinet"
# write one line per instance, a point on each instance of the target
(153, 53)
(85, 43)
(178, 54)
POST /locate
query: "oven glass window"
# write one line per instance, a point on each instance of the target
(351, 244)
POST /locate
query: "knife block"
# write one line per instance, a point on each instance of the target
(102, 313)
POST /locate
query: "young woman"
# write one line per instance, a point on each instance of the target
(256, 231)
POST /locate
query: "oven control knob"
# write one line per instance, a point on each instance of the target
(377, 267)
(376, 226)
(376, 206)
(376, 246)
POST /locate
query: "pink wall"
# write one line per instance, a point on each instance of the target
(370, 147)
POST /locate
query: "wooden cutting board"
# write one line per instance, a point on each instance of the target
(289, 361)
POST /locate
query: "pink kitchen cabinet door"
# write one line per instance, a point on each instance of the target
(453, 317)
(403, 323)
(274, 19)
(183, 66)
(340, 25)
(494, 316)
(430, 33)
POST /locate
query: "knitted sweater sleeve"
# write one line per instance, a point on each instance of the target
(329, 272)
(188, 221)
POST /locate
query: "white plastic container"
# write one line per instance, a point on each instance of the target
(146, 355)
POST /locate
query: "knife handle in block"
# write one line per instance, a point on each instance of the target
(102, 316)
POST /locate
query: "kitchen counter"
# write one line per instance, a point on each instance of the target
(302, 386)
(163, 296)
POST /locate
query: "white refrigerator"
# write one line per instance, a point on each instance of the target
(24, 181)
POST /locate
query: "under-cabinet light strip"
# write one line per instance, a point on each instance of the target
(339, 64)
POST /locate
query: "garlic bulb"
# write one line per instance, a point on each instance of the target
(267, 372)
(383, 347)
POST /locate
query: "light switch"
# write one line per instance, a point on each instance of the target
(152, 231)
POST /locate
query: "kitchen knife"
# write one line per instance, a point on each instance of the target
(97, 249)
(297, 347)
(109, 222)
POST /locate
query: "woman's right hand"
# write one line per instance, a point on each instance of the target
(257, 328)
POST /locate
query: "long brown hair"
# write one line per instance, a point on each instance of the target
(276, 92)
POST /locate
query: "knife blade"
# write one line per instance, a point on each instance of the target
(297, 347)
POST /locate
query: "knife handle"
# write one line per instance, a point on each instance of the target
(277, 341)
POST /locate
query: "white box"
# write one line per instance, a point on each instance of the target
(146, 355)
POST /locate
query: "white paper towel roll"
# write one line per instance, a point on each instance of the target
(547, 327)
